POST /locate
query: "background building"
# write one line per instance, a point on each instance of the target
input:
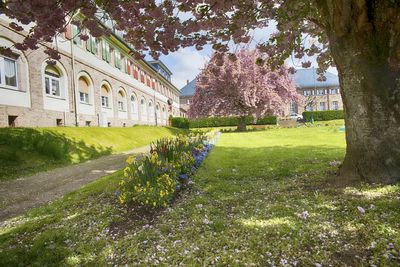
(186, 95)
(95, 83)
(319, 95)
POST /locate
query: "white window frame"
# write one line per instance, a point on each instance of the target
(106, 98)
(121, 105)
(335, 107)
(3, 73)
(85, 98)
(51, 85)
(134, 104)
(321, 106)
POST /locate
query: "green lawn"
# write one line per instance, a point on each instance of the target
(24, 151)
(260, 198)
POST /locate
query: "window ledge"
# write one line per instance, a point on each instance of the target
(56, 97)
(11, 88)
(85, 103)
(106, 107)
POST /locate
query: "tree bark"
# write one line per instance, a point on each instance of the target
(241, 124)
(365, 52)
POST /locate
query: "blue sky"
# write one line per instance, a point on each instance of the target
(186, 63)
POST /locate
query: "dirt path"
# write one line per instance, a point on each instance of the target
(20, 195)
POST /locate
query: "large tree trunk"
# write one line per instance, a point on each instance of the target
(365, 50)
(241, 124)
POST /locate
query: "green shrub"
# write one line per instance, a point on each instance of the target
(223, 121)
(180, 122)
(325, 115)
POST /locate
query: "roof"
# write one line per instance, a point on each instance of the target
(162, 65)
(308, 78)
(188, 89)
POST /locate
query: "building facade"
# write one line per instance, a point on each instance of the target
(95, 83)
(319, 95)
(186, 95)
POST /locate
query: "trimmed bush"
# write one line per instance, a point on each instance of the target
(180, 122)
(325, 115)
(220, 121)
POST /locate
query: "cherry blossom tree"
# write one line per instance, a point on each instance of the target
(360, 37)
(237, 86)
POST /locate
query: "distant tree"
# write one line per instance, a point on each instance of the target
(236, 85)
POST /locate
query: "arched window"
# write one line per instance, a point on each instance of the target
(83, 90)
(134, 107)
(121, 100)
(52, 81)
(105, 96)
(151, 109)
(143, 109)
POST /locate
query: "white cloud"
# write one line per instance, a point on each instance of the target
(185, 64)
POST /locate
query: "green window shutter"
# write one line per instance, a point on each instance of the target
(75, 35)
(89, 44)
(104, 50)
(94, 46)
(108, 56)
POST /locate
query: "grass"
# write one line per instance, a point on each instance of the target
(260, 198)
(26, 151)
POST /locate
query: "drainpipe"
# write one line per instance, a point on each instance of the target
(73, 82)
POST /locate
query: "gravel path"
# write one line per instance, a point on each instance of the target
(20, 195)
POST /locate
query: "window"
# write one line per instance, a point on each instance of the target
(143, 108)
(335, 105)
(8, 72)
(188, 102)
(92, 45)
(121, 100)
(334, 91)
(52, 81)
(293, 108)
(322, 106)
(105, 97)
(307, 92)
(88, 123)
(309, 107)
(106, 53)
(75, 35)
(83, 90)
(117, 59)
(133, 104)
(84, 97)
(151, 110)
(59, 122)
(321, 91)
(11, 120)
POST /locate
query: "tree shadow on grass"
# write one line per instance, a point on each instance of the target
(26, 150)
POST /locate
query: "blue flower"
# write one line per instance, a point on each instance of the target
(117, 193)
(184, 176)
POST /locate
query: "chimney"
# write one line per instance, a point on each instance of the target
(187, 81)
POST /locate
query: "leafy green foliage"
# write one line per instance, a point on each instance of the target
(222, 121)
(325, 115)
(180, 122)
(153, 179)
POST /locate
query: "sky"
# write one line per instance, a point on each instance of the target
(187, 63)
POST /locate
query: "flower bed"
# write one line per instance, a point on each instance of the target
(155, 179)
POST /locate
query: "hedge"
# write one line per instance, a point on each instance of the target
(179, 122)
(219, 121)
(325, 115)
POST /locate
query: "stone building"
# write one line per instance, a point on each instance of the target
(319, 95)
(186, 95)
(322, 95)
(95, 83)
